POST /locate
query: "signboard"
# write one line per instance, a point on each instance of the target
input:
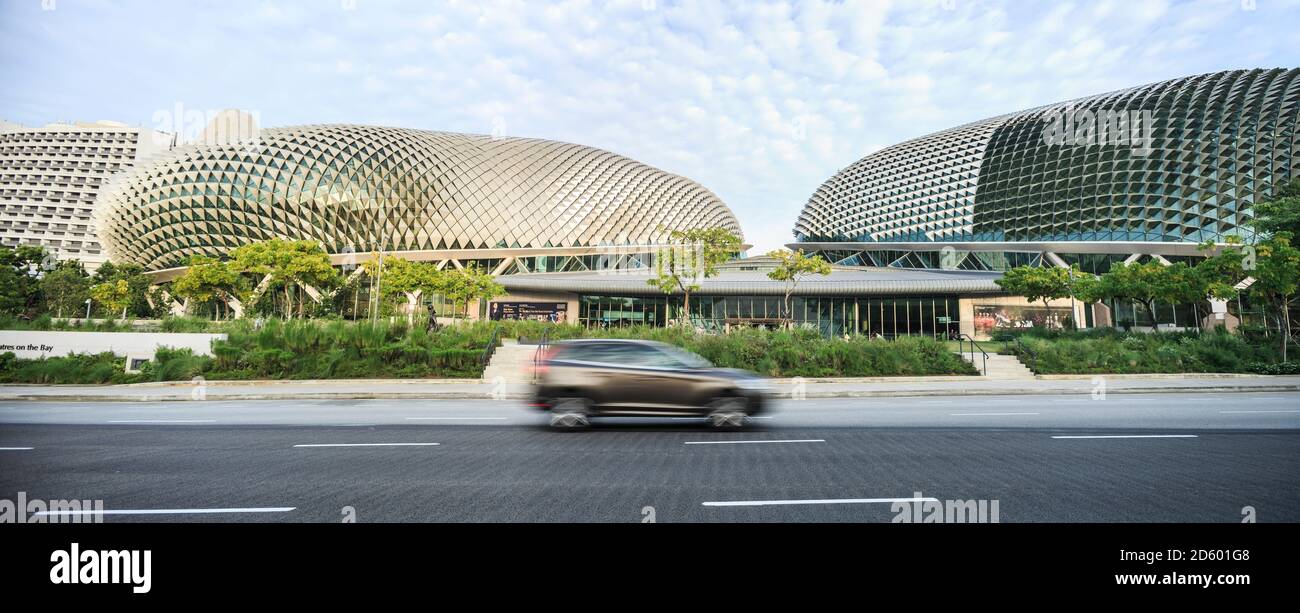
(35, 344)
(537, 311)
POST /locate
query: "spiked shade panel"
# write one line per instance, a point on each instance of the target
(1217, 144)
(357, 189)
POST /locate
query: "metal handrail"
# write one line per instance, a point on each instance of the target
(962, 339)
(540, 353)
(491, 348)
(1022, 349)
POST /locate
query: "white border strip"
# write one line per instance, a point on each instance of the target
(370, 445)
(987, 414)
(454, 418)
(170, 511)
(1131, 436)
(772, 503)
(805, 440)
(162, 421)
(16, 448)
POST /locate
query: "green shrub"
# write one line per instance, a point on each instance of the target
(78, 368)
(187, 324)
(1088, 351)
(1278, 368)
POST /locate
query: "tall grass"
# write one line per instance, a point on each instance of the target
(1112, 351)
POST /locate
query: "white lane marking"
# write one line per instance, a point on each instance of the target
(453, 418)
(171, 511)
(1263, 411)
(988, 414)
(1132, 436)
(16, 448)
(161, 421)
(369, 445)
(769, 503)
(803, 440)
(704, 417)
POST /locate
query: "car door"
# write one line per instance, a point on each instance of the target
(609, 374)
(664, 381)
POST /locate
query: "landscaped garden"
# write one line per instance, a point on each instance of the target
(1110, 351)
(335, 349)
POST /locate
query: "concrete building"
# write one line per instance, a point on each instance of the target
(50, 177)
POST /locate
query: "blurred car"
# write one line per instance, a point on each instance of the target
(579, 379)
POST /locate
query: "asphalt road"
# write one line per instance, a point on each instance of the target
(1138, 458)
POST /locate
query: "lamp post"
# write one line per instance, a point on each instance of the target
(377, 289)
(1074, 314)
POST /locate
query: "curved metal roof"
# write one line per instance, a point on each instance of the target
(357, 189)
(1179, 161)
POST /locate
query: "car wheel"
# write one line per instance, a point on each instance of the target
(570, 413)
(728, 413)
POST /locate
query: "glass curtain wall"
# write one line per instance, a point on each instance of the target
(885, 317)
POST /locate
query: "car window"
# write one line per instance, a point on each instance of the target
(686, 358)
(591, 352)
(656, 358)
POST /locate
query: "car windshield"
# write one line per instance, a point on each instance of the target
(687, 358)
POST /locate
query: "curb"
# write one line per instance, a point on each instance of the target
(516, 396)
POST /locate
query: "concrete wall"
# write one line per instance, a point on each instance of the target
(30, 345)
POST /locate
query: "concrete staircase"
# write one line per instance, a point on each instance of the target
(512, 362)
(1000, 366)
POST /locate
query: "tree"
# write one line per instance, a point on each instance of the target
(1281, 213)
(1037, 283)
(206, 279)
(791, 268)
(66, 289)
(20, 269)
(692, 255)
(461, 286)
(286, 265)
(411, 279)
(1222, 269)
(1277, 273)
(135, 278)
(114, 295)
(1151, 283)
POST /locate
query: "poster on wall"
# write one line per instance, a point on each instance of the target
(993, 317)
(536, 311)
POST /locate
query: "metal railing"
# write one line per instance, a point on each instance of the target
(490, 349)
(962, 339)
(540, 353)
(1020, 349)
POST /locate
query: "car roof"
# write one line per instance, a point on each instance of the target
(595, 341)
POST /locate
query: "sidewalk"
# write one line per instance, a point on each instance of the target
(450, 389)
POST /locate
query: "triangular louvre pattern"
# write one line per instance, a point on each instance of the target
(1219, 143)
(360, 188)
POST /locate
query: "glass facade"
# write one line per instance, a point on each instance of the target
(1176, 161)
(937, 316)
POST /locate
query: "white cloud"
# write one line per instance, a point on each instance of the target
(759, 101)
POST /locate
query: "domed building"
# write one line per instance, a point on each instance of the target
(506, 204)
(1145, 172)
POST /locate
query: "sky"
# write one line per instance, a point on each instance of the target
(758, 101)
